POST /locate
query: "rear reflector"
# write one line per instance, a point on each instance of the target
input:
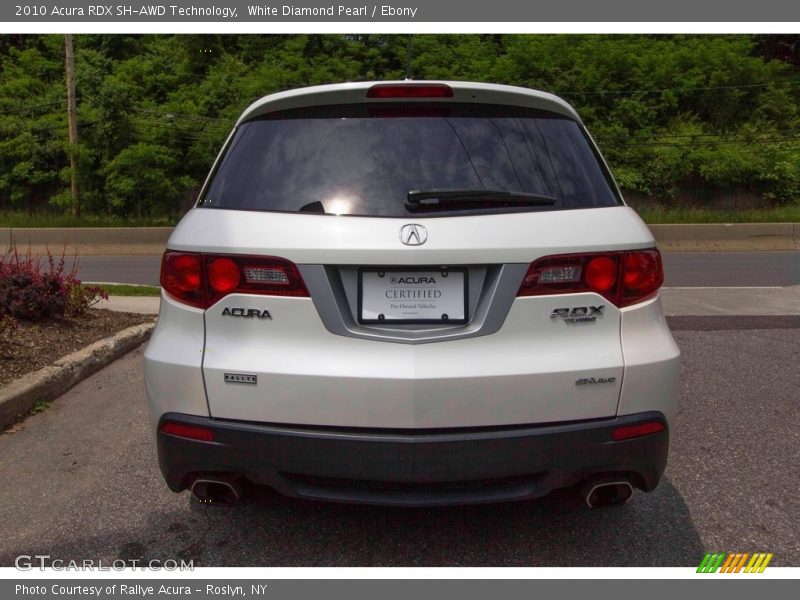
(192, 432)
(633, 431)
(410, 90)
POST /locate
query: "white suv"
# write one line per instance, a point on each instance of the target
(411, 293)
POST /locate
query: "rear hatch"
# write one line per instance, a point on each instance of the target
(403, 234)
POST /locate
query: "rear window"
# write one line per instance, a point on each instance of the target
(365, 159)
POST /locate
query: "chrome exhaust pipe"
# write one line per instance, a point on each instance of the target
(607, 492)
(216, 489)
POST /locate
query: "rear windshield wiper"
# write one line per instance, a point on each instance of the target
(473, 199)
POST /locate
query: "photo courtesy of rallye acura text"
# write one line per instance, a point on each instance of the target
(411, 293)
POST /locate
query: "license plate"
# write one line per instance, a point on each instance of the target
(412, 296)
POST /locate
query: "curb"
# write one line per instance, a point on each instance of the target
(88, 241)
(730, 237)
(21, 395)
(693, 237)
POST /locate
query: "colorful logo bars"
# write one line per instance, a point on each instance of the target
(735, 562)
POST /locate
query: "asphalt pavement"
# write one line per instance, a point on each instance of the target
(81, 480)
(692, 269)
(731, 269)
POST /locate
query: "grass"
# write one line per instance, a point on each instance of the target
(40, 406)
(132, 290)
(661, 215)
(15, 219)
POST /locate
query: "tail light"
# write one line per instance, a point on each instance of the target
(623, 278)
(410, 90)
(200, 280)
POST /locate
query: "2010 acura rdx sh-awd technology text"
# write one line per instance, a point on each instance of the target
(411, 293)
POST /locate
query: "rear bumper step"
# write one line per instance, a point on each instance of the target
(414, 468)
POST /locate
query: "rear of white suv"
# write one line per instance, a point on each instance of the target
(412, 294)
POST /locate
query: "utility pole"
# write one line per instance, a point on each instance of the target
(73, 124)
(409, 54)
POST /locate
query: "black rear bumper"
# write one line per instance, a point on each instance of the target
(415, 468)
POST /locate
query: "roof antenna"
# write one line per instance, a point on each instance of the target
(409, 54)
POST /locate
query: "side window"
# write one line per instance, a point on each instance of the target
(575, 167)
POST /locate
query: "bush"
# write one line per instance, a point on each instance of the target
(32, 292)
(81, 298)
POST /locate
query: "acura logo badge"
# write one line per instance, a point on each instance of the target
(413, 234)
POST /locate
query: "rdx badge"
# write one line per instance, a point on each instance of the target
(247, 313)
(578, 314)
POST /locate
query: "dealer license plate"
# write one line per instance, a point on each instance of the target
(412, 296)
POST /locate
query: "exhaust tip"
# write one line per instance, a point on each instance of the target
(216, 489)
(601, 493)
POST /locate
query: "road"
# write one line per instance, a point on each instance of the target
(80, 481)
(692, 269)
(731, 269)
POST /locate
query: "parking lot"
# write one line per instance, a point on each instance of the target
(81, 481)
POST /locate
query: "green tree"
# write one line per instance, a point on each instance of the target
(670, 112)
(141, 180)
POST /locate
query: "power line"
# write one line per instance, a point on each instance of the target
(173, 125)
(160, 127)
(182, 115)
(680, 90)
(696, 139)
(176, 127)
(762, 141)
(698, 135)
(33, 107)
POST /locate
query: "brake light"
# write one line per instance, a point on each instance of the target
(192, 432)
(639, 430)
(601, 273)
(200, 280)
(223, 275)
(623, 278)
(410, 90)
